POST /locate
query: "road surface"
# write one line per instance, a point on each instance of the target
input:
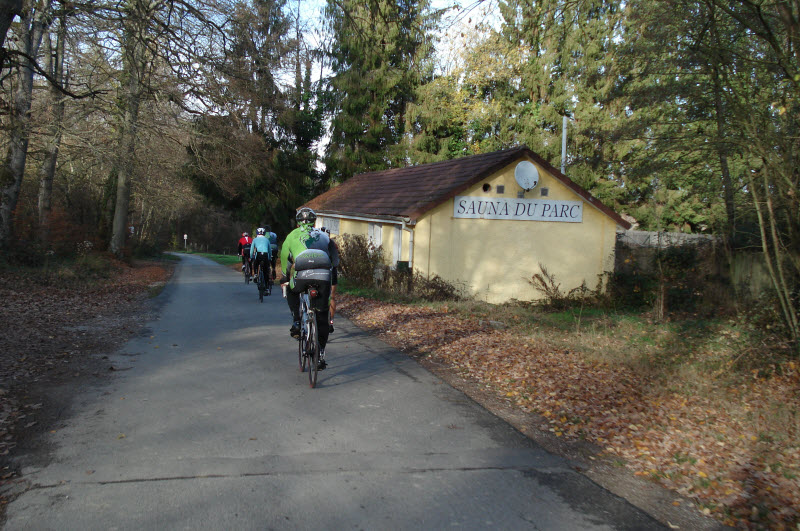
(210, 425)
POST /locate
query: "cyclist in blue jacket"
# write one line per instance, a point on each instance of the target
(261, 253)
(273, 245)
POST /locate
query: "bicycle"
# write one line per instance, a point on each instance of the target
(268, 282)
(264, 285)
(308, 342)
(247, 271)
(313, 280)
(263, 280)
(260, 281)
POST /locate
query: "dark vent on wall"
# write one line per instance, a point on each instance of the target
(501, 189)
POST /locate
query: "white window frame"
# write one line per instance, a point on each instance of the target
(397, 245)
(375, 234)
(332, 224)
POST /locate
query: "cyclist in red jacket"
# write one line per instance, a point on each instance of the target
(244, 248)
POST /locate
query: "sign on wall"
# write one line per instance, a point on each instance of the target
(518, 209)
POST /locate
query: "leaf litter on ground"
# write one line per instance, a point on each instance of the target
(697, 446)
(51, 325)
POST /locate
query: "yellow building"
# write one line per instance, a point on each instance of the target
(485, 222)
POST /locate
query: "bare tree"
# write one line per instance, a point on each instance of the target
(55, 67)
(33, 24)
(172, 34)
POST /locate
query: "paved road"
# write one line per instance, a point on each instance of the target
(214, 427)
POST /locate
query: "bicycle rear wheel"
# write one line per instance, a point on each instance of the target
(312, 348)
(247, 272)
(261, 287)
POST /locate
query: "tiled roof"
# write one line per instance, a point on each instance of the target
(412, 191)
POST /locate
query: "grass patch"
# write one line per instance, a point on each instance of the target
(224, 259)
(351, 288)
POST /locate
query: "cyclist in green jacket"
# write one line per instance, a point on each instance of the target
(305, 236)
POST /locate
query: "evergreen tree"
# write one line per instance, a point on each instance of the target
(568, 53)
(380, 54)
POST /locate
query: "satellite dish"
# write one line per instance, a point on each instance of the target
(526, 175)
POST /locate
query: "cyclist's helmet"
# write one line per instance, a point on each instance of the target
(260, 231)
(244, 235)
(306, 215)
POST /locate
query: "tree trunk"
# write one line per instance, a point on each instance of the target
(771, 247)
(727, 182)
(12, 169)
(48, 169)
(134, 67)
(127, 151)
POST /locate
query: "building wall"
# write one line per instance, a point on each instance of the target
(388, 234)
(494, 259)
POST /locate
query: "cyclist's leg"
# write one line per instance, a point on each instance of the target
(323, 326)
(332, 307)
(263, 269)
(293, 300)
(322, 335)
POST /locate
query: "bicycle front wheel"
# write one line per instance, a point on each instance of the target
(313, 352)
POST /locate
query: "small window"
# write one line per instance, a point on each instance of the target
(487, 187)
(375, 234)
(332, 224)
(501, 189)
(520, 195)
(545, 192)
